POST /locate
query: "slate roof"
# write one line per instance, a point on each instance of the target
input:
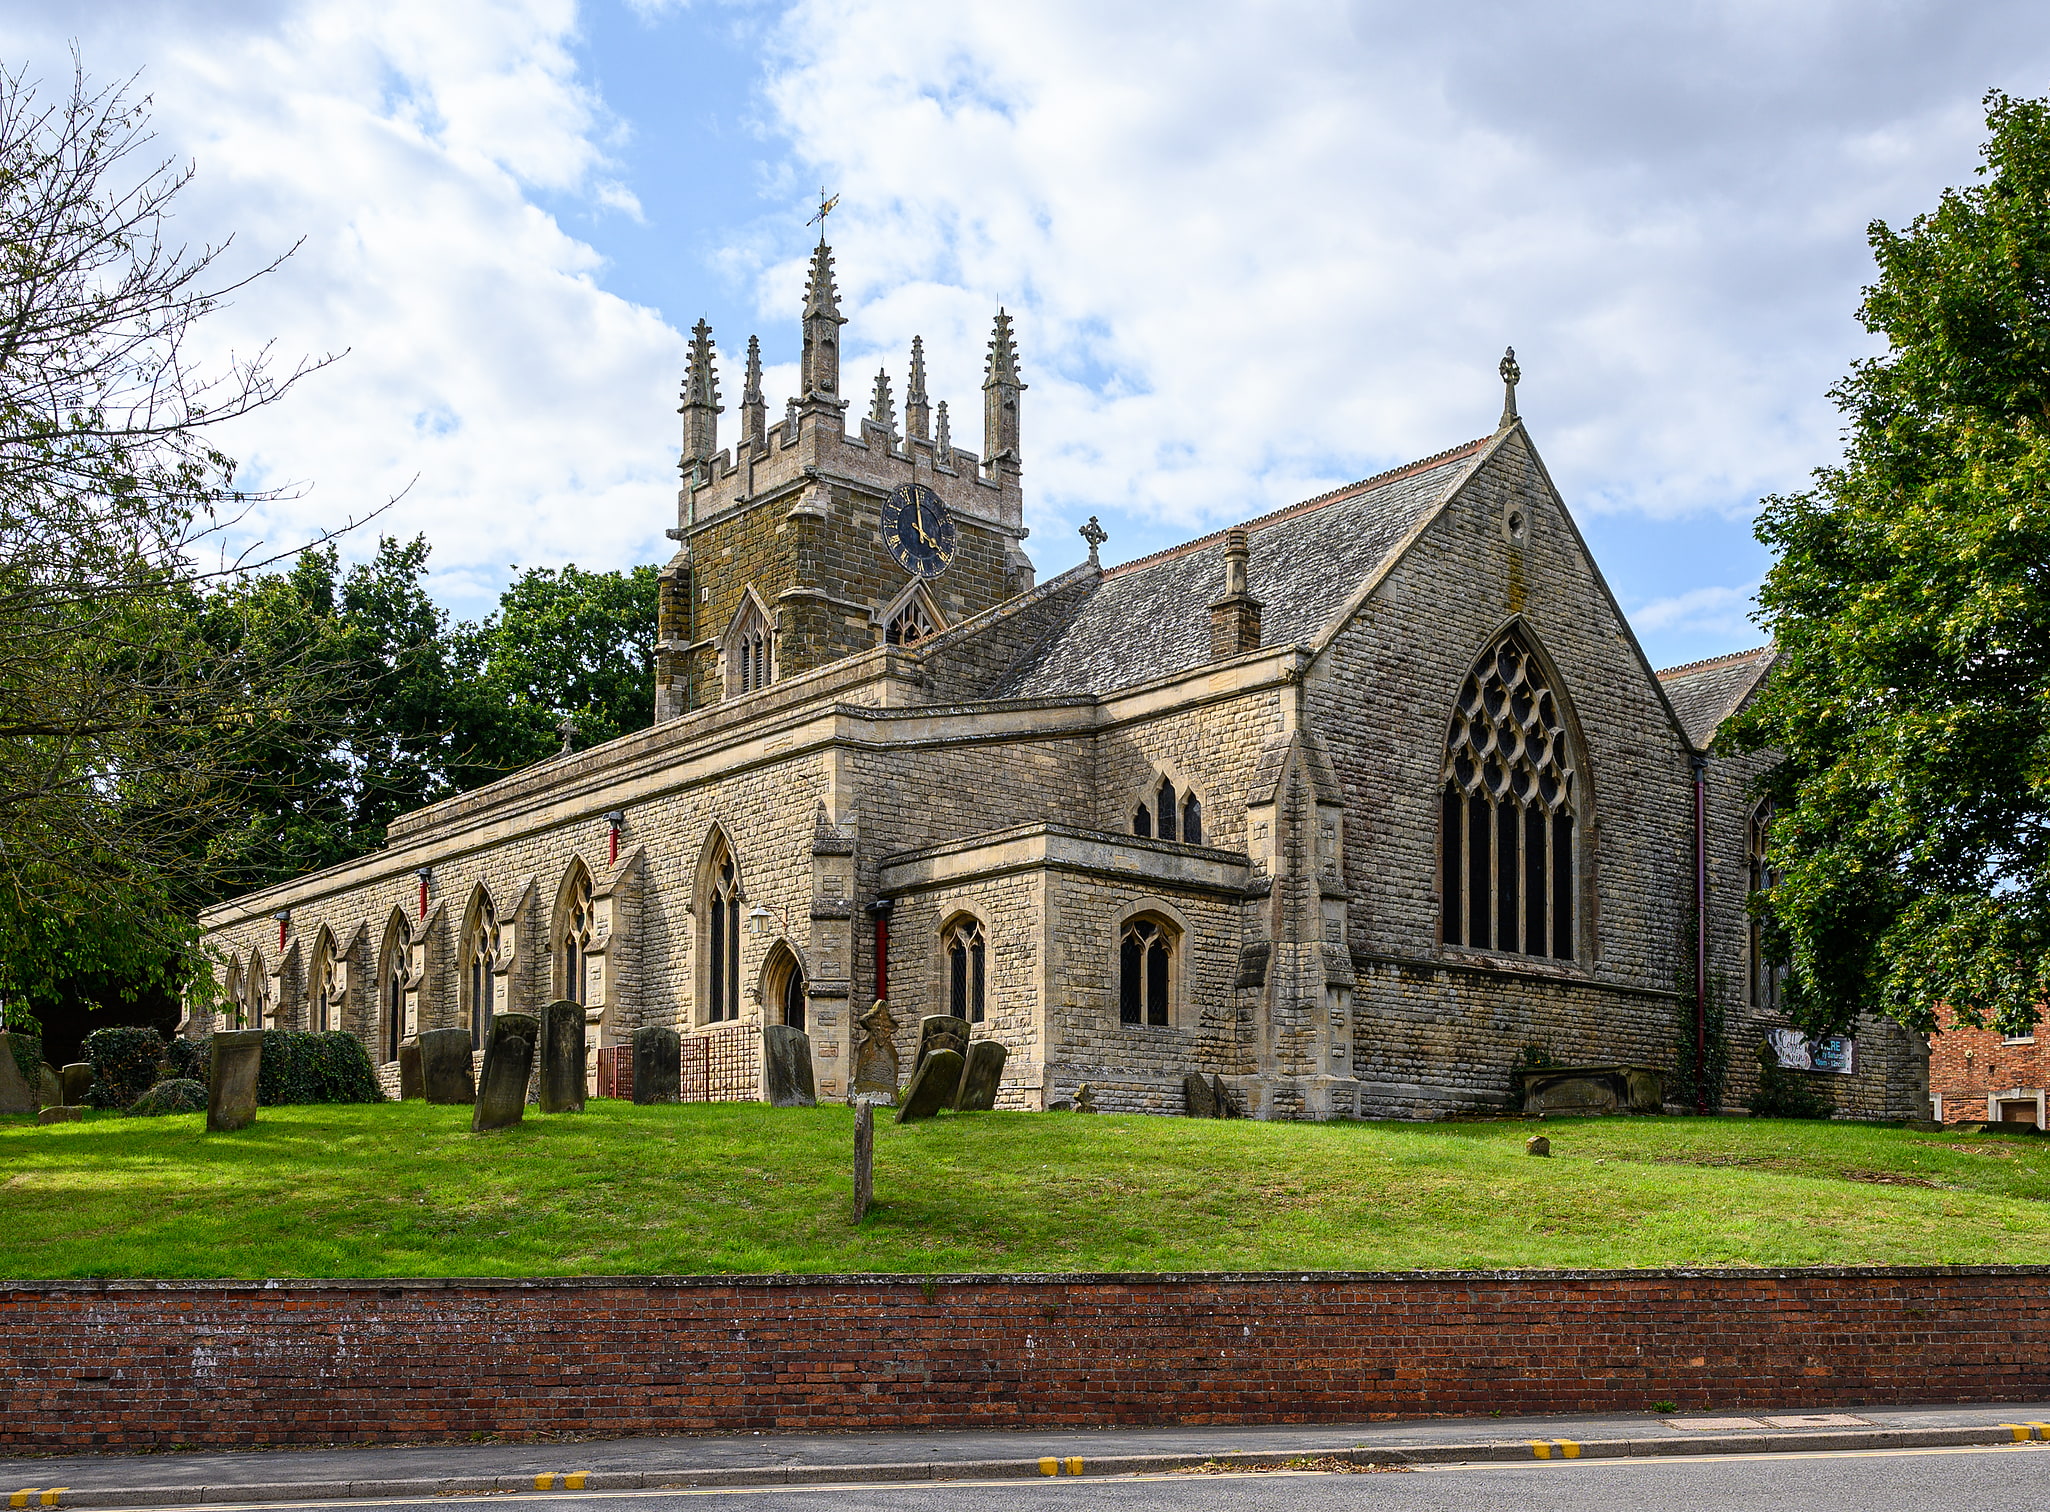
(1705, 693)
(1151, 617)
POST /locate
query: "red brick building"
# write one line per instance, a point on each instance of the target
(1978, 1075)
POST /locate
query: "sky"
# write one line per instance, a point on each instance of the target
(1252, 251)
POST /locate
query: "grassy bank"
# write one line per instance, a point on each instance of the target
(406, 1190)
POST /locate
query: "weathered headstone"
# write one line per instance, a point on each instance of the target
(231, 1080)
(562, 1057)
(1085, 1099)
(74, 1082)
(508, 1065)
(940, 1031)
(16, 1095)
(1198, 1100)
(980, 1080)
(52, 1090)
(864, 1158)
(875, 1056)
(60, 1114)
(445, 1074)
(1537, 1144)
(412, 1083)
(658, 1066)
(1227, 1105)
(786, 1062)
(932, 1086)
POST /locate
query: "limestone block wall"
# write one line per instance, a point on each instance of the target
(1211, 747)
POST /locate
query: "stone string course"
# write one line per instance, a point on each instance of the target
(141, 1365)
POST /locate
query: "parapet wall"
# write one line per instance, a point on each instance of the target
(147, 1364)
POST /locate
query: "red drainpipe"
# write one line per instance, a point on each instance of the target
(1700, 932)
(880, 912)
(422, 875)
(615, 819)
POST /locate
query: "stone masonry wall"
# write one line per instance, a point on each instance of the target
(128, 1365)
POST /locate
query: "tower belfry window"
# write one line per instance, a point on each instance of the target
(909, 625)
(1511, 790)
(750, 651)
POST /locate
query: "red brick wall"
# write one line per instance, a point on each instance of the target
(1968, 1065)
(139, 1363)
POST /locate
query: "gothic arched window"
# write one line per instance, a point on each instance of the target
(1142, 822)
(750, 650)
(967, 970)
(391, 983)
(480, 963)
(1158, 814)
(1145, 971)
(1511, 789)
(1767, 977)
(786, 986)
(575, 919)
(1164, 809)
(256, 994)
(722, 935)
(324, 995)
(909, 625)
(1192, 820)
(231, 1014)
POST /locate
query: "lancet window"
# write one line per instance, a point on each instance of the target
(967, 970)
(786, 987)
(256, 994)
(1145, 971)
(750, 651)
(1768, 978)
(573, 943)
(1169, 815)
(324, 1001)
(722, 937)
(480, 961)
(391, 985)
(1509, 801)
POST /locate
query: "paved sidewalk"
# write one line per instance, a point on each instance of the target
(181, 1477)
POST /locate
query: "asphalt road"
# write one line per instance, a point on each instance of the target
(1927, 1480)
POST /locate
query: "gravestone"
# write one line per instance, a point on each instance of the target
(1537, 1144)
(74, 1082)
(231, 1080)
(59, 1115)
(786, 1063)
(1198, 1100)
(412, 1085)
(508, 1065)
(981, 1078)
(16, 1095)
(940, 1031)
(562, 1057)
(864, 1158)
(658, 1066)
(1591, 1089)
(875, 1056)
(932, 1086)
(52, 1089)
(1085, 1099)
(445, 1075)
(1227, 1106)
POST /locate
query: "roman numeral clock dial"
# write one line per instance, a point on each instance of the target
(918, 530)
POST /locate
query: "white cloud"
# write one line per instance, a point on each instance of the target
(527, 407)
(1711, 614)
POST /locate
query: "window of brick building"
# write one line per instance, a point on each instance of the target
(967, 957)
(1508, 862)
(1146, 949)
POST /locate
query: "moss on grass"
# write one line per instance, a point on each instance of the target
(405, 1189)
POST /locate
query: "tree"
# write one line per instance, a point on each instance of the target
(113, 723)
(1910, 604)
(571, 645)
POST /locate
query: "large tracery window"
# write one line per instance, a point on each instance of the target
(1511, 788)
(1768, 978)
(967, 971)
(722, 938)
(1145, 971)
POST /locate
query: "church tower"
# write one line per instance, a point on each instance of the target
(806, 544)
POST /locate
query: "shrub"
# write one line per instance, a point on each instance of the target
(314, 1068)
(124, 1061)
(180, 1095)
(1785, 1094)
(189, 1059)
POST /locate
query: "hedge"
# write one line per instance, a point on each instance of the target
(297, 1067)
(124, 1061)
(179, 1095)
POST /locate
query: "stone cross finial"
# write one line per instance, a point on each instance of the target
(1510, 374)
(567, 729)
(1095, 535)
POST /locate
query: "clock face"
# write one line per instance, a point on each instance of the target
(918, 530)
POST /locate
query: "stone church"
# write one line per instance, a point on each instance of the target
(1355, 806)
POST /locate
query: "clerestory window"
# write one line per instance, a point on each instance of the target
(1169, 815)
(1508, 862)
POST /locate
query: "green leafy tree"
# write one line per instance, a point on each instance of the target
(1910, 604)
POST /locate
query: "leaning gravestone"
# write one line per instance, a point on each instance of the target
(231, 1080)
(1197, 1098)
(984, 1074)
(445, 1067)
(412, 1086)
(52, 1088)
(16, 1095)
(658, 1066)
(75, 1081)
(875, 1058)
(786, 1060)
(508, 1066)
(1226, 1106)
(940, 1031)
(60, 1114)
(562, 1057)
(932, 1086)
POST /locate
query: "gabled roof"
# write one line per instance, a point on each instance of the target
(1151, 617)
(1705, 693)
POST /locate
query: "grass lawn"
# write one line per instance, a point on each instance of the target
(403, 1189)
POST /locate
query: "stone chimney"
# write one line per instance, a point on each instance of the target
(1234, 618)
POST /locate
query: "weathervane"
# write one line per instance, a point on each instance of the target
(825, 209)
